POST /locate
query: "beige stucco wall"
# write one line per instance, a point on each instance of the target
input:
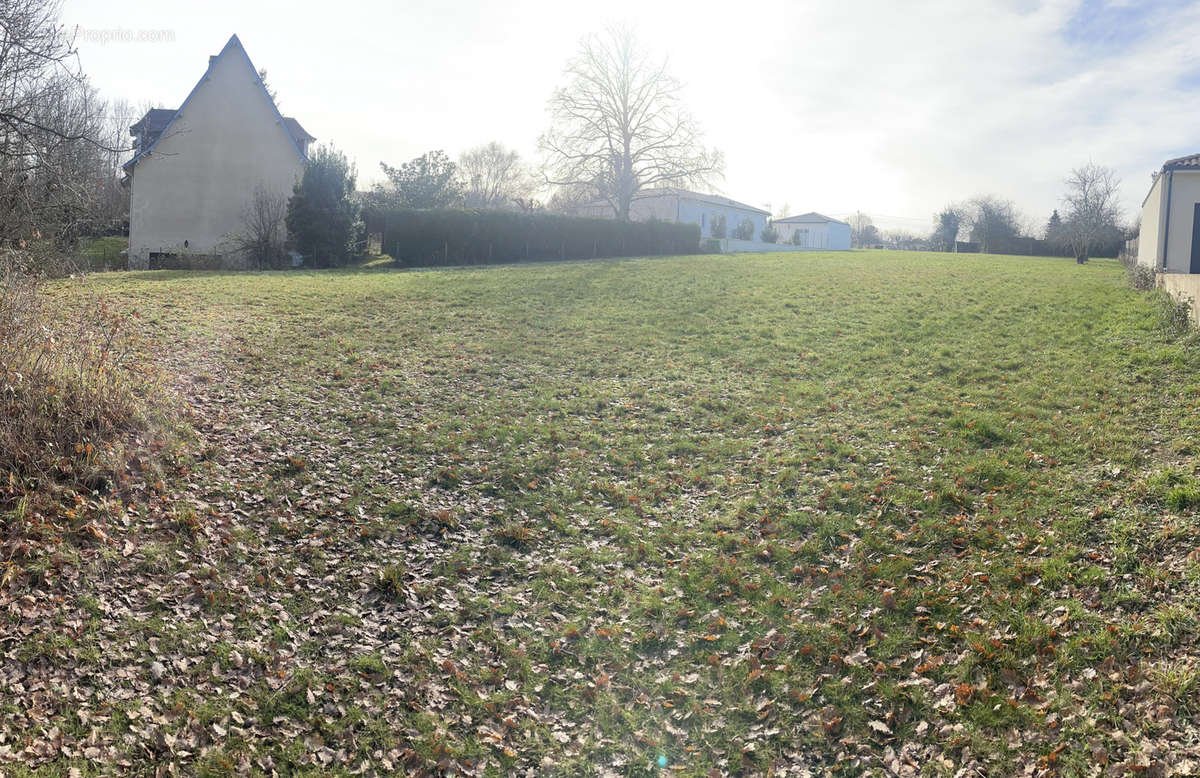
(1150, 235)
(664, 208)
(1182, 188)
(1184, 287)
(196, 183)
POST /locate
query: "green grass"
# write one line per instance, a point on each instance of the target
(717, 513)
(103, 253)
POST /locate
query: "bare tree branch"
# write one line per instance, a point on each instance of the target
(619, 127)
(59, 158)
(1091, 206)
(494, 177)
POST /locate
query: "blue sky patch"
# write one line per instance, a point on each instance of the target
(1113, 25)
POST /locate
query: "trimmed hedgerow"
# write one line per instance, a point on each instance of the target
(470, 237)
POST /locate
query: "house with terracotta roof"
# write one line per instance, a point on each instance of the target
(1169, 241)
(813, 231)
(197, 168)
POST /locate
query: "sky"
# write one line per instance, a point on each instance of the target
(891, 108)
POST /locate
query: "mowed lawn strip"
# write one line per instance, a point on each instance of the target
(835, 512)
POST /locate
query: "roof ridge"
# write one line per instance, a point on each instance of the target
(811, 216)
(233, 39)
(681, 192)
(1188, 160)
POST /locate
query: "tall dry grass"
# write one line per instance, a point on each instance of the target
(73, 390)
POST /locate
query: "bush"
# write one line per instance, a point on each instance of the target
(744, 230)
(711, 246)
(71, 390)
(1141, 277)
(322, 214)
(769, 234)
(484, 237)
(1174, 316)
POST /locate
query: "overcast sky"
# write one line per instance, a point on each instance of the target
(892, 108)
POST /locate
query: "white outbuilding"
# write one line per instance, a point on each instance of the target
(1169, 241)
(813, 231)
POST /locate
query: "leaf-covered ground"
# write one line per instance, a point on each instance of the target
(858, 513)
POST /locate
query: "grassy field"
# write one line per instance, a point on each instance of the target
(858, 513)
(104, 253)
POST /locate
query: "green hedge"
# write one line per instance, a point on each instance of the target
(458, 237)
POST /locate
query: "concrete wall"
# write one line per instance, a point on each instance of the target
(1150, 235)
(832, 236)
(1184, 287)
(189, 194)
(696, 212)
(662, 208)
(670, 208)
(811, 236)
(1173, 229)
(839, 236)
(733, 246)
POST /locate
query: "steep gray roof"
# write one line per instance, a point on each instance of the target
(808, 218)
(294, 129)
(154, 120)
(234, 44)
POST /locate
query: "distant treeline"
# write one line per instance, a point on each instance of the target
(1108, 247)
(425, 238)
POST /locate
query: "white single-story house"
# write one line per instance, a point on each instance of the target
(813, 231)
(196, 169)
(670, 204)
(1169, 240)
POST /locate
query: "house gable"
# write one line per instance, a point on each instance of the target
(232, 47)
(192, 185)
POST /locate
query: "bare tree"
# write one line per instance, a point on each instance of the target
(1091, 206)
(264, 229)
(903, 240)
(494, 177)
(55, 156)
(566, 199)
(619, 126)
(863, 232)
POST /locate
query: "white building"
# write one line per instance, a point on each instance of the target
(197, 168)
(813, 231)
(1170, 236)
(669, 204)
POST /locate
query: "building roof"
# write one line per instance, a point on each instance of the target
(294, 129)
(671, 191)
(155, 120)
(1190, 162)
(808, 218)
(233, 44)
